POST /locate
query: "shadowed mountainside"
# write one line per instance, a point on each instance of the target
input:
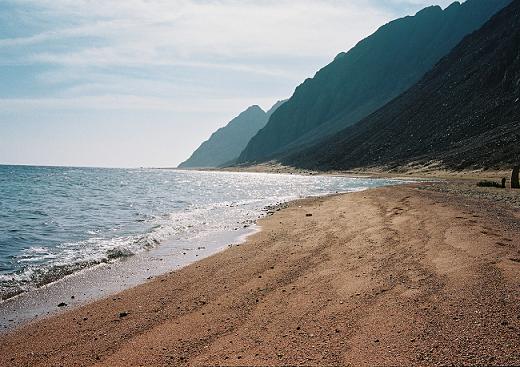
(465, 113)
(375, 71)
(226, 143)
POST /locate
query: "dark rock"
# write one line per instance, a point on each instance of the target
(362, 80)
(461, 113)
(62, 304)
(123, 314)
(515, 179)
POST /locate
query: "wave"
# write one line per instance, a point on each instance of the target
(42, 265)
(105, 221)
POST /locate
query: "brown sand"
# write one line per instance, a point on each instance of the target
(391, 276)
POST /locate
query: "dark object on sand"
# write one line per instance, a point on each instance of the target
(62, 304)
(123, 314)
(308, 215)
(515, 181)
(489, 184)
(503, 182)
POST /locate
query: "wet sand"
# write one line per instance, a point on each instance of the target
(103, 280)
(403, 275)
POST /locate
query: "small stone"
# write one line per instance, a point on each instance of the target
(123, 314)
(62, 304)
(308, 215)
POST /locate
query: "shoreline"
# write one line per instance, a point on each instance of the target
(106, 279)
(407, 172)
(395, 275)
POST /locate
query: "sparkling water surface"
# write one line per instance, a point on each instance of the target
(56, 220)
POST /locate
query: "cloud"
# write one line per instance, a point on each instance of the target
(152, 32)
(121, 102)
(166, 59)
(192, 44)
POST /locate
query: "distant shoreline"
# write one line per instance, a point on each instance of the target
(422, 172)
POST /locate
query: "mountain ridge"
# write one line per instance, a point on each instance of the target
(226, 143)
(339, 95)
(463, 114)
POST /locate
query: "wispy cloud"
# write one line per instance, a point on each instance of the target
(173, 56)
(152, 32)
(234, 35)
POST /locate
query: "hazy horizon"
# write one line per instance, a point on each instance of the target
(142, 84)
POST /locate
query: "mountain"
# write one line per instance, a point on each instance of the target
(274, 108)
(226, 143)
(376, 70)
(464, 113)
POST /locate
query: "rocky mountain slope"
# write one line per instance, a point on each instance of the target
(375, 71)
(465, 113)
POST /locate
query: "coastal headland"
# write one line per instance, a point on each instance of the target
(420, 274)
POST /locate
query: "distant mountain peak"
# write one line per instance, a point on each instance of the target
(254, 107)
(226, 143)
(340, 55)
(429, 10)
(453, 5)
(275, 107)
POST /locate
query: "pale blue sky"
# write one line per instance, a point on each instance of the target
(143, 82)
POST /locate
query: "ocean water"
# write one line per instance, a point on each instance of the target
(55, 221)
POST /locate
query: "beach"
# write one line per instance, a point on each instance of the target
(419, 274)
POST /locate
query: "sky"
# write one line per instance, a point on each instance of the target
(141, 83)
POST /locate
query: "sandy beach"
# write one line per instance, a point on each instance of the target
(422, 274)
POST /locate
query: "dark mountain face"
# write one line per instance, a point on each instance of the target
(465, 113)
(275, 107)
(358, 82)
(226, 143)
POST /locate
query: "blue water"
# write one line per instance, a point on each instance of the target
(55, 221)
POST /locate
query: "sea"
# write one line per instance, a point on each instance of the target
(55, 221)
